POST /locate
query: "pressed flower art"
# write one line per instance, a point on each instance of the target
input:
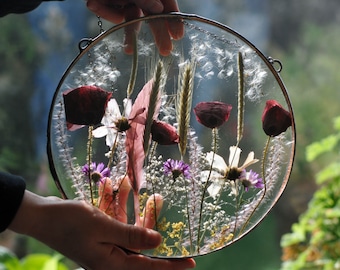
(197, 143)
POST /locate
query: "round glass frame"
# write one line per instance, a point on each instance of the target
(197, 143)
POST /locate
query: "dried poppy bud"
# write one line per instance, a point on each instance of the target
(163, 133)
(85, 105)
(275, 119)
(212, 114)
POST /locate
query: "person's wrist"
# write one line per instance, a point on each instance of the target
(28, 214)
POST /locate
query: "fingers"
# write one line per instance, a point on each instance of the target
(118, 11)
(151, 211)
(123, 195)
(131, 30)
(175, 28)
(106, 11)
(113, 201)
(130, 236)
(150, 6)
(123, 261)
(173, 264)
(161, 36)
(106, 200)
(164, 30)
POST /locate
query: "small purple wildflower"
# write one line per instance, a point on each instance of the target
(251, 179)
(176, 168)
(96, 172)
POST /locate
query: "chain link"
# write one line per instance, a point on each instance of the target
(100, 24)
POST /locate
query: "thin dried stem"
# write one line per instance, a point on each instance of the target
(133, 73)
(112, 151)
(65, 155)
(89, 161)
(240, 109)
(264, 158)
(205, 188)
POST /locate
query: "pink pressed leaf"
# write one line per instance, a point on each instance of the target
(135, 142)
(135, 136)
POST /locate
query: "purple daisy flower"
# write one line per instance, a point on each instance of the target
(96, 172)
(176, 168)
(251, 179)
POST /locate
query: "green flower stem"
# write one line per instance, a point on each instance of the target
(188, 214)
(214, 148)
(265, 153)
(152, 153)
(211, 214)
(114, 147)
(133, 74)
(89, 160)
(240, 109)
(238, 204)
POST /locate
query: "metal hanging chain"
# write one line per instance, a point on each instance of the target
(100, 24)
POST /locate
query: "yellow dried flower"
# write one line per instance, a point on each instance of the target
(142, 200)
(163, 249)
(177, 227)
(185, 252)
(163, 225)
(221, 241)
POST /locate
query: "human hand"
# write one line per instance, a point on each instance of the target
(88, 236)
(117, 11)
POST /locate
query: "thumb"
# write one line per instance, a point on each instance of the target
(132, 237)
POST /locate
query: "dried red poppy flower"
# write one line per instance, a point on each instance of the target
(275, 119)
(212, 114)
(85, 105)
(163, 133)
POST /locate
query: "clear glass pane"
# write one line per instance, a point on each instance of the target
(197, 144)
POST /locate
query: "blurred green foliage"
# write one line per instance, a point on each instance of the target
(259, 250)
(18, 61)
(314, 240)
(311, 75)
(9, 261)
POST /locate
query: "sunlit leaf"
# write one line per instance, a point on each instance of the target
(333, 213)
(297, 236)
(337, 123)
(43, 262)
(8, 261)
(325, 145)
(54, 263)
(329, 172)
